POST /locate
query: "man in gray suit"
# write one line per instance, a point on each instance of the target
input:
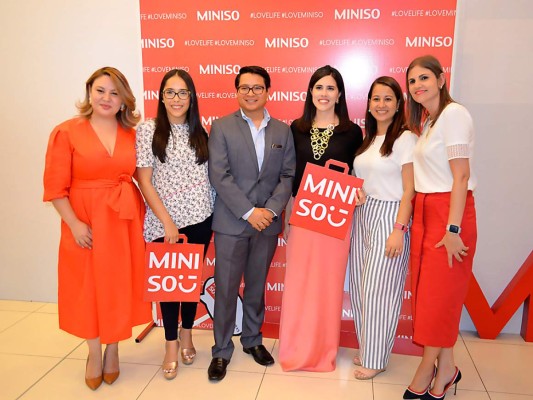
(251, 167)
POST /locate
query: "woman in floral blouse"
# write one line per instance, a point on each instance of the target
(172, 173)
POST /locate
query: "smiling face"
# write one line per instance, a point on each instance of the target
(105, 99)
(251, 103)
(325, 94)
(424, 87)
(176, 107)
(383, 104)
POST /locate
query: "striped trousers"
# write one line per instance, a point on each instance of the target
(376, 281)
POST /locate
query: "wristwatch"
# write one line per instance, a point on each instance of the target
(274, 215)
(401, 227)
(453, 229)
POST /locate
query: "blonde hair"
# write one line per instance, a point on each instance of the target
(127, 116)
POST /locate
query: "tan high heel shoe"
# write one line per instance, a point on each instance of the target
(92, 383)
(170, 369)
(187, 355)
(109, 377)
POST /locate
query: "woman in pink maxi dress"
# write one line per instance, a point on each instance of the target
(316, 263)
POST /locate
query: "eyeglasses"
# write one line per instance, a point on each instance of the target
(255, 89)
(182, 94)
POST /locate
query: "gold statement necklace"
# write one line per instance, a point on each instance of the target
(320, 140)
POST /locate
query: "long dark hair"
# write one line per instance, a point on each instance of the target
(197, 134)
(305, 122)
(416, 113)
(396, 127)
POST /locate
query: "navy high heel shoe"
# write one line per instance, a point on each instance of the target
(411, 394)
(455, 379)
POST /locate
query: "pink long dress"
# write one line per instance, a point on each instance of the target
(312, 300)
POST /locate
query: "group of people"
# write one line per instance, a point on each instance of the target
(416, 205)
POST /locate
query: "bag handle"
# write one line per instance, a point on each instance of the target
(183, 237)
(339, 164)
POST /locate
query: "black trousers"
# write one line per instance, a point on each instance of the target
(198, 234)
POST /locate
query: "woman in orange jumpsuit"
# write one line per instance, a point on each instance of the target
(90, 162)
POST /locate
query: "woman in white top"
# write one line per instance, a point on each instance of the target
(172, 173)
(444, 231)
(380, 239)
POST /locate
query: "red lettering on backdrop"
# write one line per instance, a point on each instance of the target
(212, 39)
(489, 321)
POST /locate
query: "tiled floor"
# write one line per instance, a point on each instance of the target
(38, 361)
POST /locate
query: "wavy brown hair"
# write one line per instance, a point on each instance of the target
(396, 127)
(127, 116)
(416, 113)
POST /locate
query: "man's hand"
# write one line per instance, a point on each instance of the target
(260, 219)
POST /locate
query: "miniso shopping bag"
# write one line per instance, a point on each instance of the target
(173, 272)
(326, 199)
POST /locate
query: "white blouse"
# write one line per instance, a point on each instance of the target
(383, 175)
(452, 136)
(181, 184)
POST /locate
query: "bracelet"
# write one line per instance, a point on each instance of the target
(401, 227)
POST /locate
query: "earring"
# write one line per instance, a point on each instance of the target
(122, 107)
(396, 110)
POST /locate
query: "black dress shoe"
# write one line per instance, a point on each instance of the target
(217, 369)
(260, 354)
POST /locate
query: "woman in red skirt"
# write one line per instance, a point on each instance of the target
(444, 234)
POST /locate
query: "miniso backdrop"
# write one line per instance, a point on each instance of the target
(363, 39)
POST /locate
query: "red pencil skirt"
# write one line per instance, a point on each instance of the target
(438, 291)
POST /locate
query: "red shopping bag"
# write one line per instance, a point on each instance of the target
(326, 199)
(173, 272)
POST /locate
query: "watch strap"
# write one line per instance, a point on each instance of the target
(401, 227)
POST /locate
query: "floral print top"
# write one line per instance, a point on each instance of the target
(182, 185)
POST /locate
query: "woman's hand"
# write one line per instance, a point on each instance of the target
(287, 216)
(394, 244)
(361, 197)
(82, 234)
(172, 232)
(144, 178)
(454, 247)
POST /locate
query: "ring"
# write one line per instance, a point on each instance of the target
(397, 251)
(463, 252)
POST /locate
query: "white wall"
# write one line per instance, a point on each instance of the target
(492, 78)
(49, 48)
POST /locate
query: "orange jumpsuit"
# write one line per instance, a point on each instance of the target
(99, 289)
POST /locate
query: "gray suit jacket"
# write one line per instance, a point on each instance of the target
(235, 175)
